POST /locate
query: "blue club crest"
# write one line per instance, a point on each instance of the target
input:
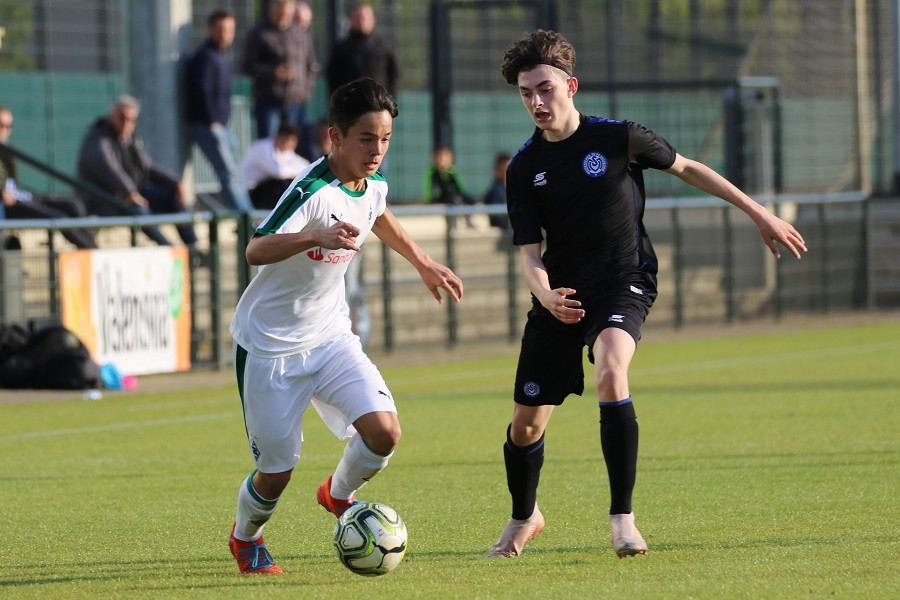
(594, 164)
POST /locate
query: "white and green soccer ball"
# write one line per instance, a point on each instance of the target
(370, 539)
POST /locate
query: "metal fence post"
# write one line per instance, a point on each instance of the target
(511, 288)
(826, 261)
(728, 265)
(215, 282)
(387, 298)
(53, 274)
(678, 267)
(452, 317)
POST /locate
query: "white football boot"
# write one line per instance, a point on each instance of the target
(517, 533)
(626, 539)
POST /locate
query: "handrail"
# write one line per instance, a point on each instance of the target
(76, 183)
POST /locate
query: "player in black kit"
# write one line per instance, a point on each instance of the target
(579, 180)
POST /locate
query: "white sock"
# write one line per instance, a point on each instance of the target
(252, 512)
(358, 465)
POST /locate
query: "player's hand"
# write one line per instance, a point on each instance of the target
(565, 309)
(776, 231)
(340, 236)
(438, 277)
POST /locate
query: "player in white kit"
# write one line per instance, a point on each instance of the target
(293, 341)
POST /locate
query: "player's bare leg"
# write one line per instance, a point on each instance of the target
(613, 352)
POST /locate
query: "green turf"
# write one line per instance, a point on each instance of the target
(768, 469)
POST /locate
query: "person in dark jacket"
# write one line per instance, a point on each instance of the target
(209, 107)
(496, 193)
(281, 62)
(113, 159)
(363, 54)
(16, 203)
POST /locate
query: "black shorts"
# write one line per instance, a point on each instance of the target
(551, 360)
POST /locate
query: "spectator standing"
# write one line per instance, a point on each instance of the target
(363, 54)
(303, 17)
(113, 158)
(496, 193)
(280, 60)
(16, 203)
(209, 107)
(270, 166)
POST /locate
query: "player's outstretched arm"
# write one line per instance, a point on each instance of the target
(435, 275)
(772, 229)
(276, 247)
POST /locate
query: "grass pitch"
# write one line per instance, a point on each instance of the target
(768, 469)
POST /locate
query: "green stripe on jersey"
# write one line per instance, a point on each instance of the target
(316, 179)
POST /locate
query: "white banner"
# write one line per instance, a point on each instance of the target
(130, 307)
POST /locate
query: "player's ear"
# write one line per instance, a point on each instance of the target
(335, 134)
(572, 84)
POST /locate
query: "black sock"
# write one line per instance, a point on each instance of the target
(619, 440)
(523, 471)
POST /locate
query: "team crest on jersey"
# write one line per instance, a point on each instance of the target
(594, 164)
(531, 389)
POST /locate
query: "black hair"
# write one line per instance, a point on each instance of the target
(357, 98)
(218, 15)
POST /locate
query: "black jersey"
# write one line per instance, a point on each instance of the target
(587, 194)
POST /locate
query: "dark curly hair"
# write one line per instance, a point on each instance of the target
(538, 47)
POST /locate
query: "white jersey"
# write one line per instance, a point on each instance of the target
(298, 303)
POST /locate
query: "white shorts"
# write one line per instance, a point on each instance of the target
(337, 377)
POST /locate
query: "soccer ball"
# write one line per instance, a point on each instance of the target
(370, 539)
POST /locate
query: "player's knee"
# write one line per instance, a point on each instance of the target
(384, 440)
(611, 382)
(270, 485)
(525, 434)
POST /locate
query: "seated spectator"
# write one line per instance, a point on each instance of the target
(443, 184)
(270, 165)
(17, 203)
(496, 193)
(113, 159)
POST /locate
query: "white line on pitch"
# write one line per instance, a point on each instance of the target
(116, 426)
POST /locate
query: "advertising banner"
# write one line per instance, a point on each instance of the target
(130, 307)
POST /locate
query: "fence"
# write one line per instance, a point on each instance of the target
(713, 269)
(834, 62)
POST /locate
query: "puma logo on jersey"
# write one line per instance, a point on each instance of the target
(540, 179)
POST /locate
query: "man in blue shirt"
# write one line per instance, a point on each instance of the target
(209, 108)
